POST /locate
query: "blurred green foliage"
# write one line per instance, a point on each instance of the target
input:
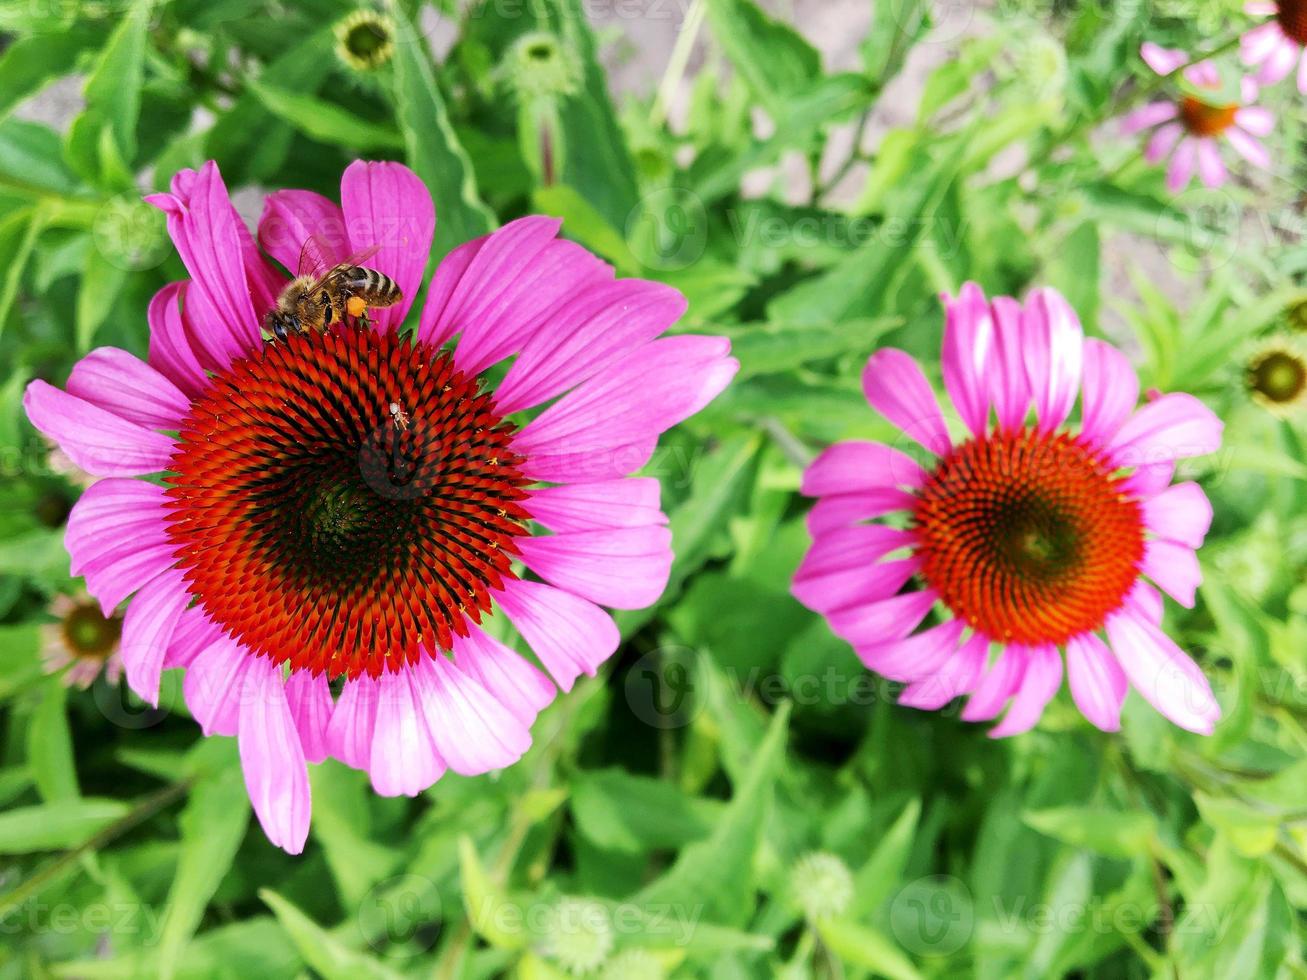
(659, 826)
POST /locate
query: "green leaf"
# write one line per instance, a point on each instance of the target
(770, 349)
(50, 746)
(56, 826)
(876, 880)
(323, 952)
(433, 149)
(97, 291)
(719, 871)
(212, 825)
(1112, 832)
(482, 898)
(771, 56)
(18, 234)
(30, 62)
(31, 159)
(865, 947)
(325, 121)
(342, 824)
(583, 223)
(634, 814)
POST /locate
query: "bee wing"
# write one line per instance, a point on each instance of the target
(361, 256)
(315, 257)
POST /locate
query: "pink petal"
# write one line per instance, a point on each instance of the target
(1162, 60)
(626, 502)
(1181, 513)
(404, 760)
(585, 336)
(1182, 166)
(624, 568)
(213, 245)
(844, 509)
(1279, 62)
(439, 321)
(996, 686)
(273, 762)
(1039, 682)
(291, 217)
(1162, 142)
(194, 634)
(116, 538)
(1160, 671)
(120, 383)
(895, 387)
(1249, 147)
(95, 439)
(148, 628)
(1146, 117)
(386, 204)
(1255, 120)
(214, 685)
(955, 677)
(916, 657)
(473, 731)
(1210, 168)
(635, 399)
(1174, 568)
(171, 353)
(569, 635)
(967, 355)
(1262, 8)
(1098, 684)
(1054, 354)
(309, 698)
(1109, 391)
(1302, 76)
(1257, 44)
(1149, 480)
(1146, 601)
(853, 547)
(828, 591)
(507, 675)
(883, 620)
(1174, 426)
(1204, 75)
(851, 467)
(1009, 391)
(353, 721)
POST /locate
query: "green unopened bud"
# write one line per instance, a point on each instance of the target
(578, 935)
(365, 39)
(1276, 376)
(539, 66)
(822, 886)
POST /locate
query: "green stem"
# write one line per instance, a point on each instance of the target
(680, 57)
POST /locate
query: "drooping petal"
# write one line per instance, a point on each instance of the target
(171, 352)
(1175, 426)
(194, 634)
(1181, 513)
(473, 732)
(625, 502)
(291, 217)
(570, 635)
(271, 758)
(95, 439)
(1174, 567)
(917, 657)
(851, 467)
(623, 568)
(1257, 44)
(883, 620)
(1157, 668)
(968, 355)
(1039, 682)
(1147, 117)
(1279, 62)
(1162, 142)
(1255, 120)
(214, 685)
(309, 697)
(1210, 168)
(386, 204)
(1146, 601)
(403, 760)
(1181, 170)
(1110, 391)
(1162, 60)
(587, 335)
(127, 387)
(636, 399)
(895, 387)
(1054, 355)
(113, 513)
(148, 628)
(1098, 685)
(507, 675)
(955, 677)
(353, 722)
(996, 685)
(1249, 147)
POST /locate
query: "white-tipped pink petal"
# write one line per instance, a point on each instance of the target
(1181, 513)
(895, 387)
(1168, 679)
(353, 722)
(623, 568)
(917, 657)
(271, 758)
(955, 677)
(1175, 426)
(309, 697)
(148, 627)
(1257, 44)
(506, 674)
(968, 354)
(403, 759)
(1174, 567)
(1255, 120)
(95, 439)
(570, 635)
(1098, 685)
(473, 732)
(1054, 355)
(626, 502)
(1277, 65)
(1039, 682)
(850, 467)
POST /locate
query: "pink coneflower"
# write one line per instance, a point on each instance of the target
(342, 510)
(1027, 535)
(1189, 128)
(1277, 45)
(81, 642)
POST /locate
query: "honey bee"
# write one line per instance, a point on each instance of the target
(323, 293)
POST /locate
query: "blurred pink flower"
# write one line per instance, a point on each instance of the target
(1028, 535)
(82, 641)
(1276, 46)
(350, 505)
(1189, 128)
